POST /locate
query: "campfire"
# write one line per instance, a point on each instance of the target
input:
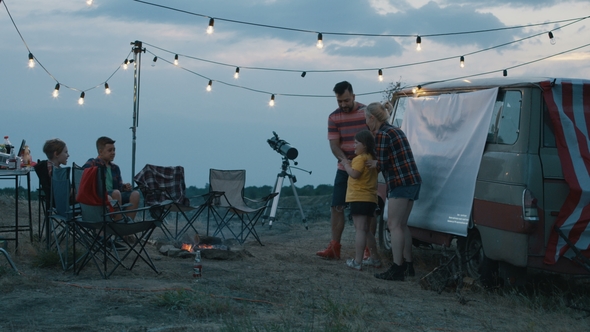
(202, 246)
(210, 247)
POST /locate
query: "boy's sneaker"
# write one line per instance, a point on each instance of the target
(351, 263)
(376, 263)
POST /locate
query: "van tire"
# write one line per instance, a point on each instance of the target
(475, 263)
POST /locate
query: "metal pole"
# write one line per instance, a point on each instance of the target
(136, 82)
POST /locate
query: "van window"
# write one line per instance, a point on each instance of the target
(505, 124)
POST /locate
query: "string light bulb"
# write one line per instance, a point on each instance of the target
(462, 62)
(81, 100)
(89, 2)
(176, 59)
(210, 27)
(320, 43)
(31, 60)
(418, 43)
(272, 101)
(237, 73)
(505, 73)
(154, 61)
(125, 64)
(107, 90)
(380, 73)
(209, 85)
(551, 39)
(416, 89)
(303, 74)
(55, 93)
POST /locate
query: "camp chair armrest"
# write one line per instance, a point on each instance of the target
(141, 209)
(263, 199)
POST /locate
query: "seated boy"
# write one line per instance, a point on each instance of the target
(117, 190)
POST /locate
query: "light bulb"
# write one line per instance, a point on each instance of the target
(31, 60)
(125, 64)
(55, 93)
(418, 43)
(505, 72)
(81, 100)
(89, 2)
(272, 101)
(320, 43)
(154, 61)
(107, 90)
(209, 85)
(303, 74)
(551, 39)
(237, 73)
(210, 27)
(380, 73)
(176, 60)
(462, 62)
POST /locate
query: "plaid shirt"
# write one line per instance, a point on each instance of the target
(395, 158)
(159, 183)
(115, 171)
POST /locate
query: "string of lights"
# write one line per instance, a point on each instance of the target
(212, 19)
(504, 71)
(461, 57)
(33, 59)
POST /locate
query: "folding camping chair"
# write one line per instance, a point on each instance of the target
(231, 183)
(160, 184)
(44, 193)
(101, 223)
(60, 215)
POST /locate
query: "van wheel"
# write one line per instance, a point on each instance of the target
(475, 262)
(384, 235)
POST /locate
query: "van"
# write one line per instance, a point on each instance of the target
(509, 206)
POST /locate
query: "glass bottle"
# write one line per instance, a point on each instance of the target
(7, 144)
(198, 266)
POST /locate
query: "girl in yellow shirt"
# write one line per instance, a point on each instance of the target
(362, 197)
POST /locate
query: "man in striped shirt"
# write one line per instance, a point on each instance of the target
(343, 124)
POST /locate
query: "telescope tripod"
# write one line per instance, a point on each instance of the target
(278, 186)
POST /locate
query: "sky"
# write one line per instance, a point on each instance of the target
(180, 123)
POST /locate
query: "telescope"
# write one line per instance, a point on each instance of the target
(282, 147)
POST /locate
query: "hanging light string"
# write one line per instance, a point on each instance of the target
(104, 83)
(373, 92)
(45, 69)
(358, 34)
(364, 69)
(504, 70)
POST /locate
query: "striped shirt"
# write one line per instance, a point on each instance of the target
(395, 158)
(343, 126)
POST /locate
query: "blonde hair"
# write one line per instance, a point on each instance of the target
(381, 112)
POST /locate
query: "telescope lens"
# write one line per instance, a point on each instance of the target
(289, 152)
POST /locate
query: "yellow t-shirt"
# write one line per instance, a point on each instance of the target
(363, 189)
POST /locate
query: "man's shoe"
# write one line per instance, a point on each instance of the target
(351, 263)
(332, 252)
(395, 272)
(410, 269)
(367, 254)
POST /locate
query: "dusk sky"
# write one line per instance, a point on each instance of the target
(82, 46)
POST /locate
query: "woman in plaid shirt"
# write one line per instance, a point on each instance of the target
(396, 161)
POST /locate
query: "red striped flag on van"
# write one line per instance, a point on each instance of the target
(568, 102)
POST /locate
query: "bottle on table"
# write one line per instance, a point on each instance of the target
(7, 144)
